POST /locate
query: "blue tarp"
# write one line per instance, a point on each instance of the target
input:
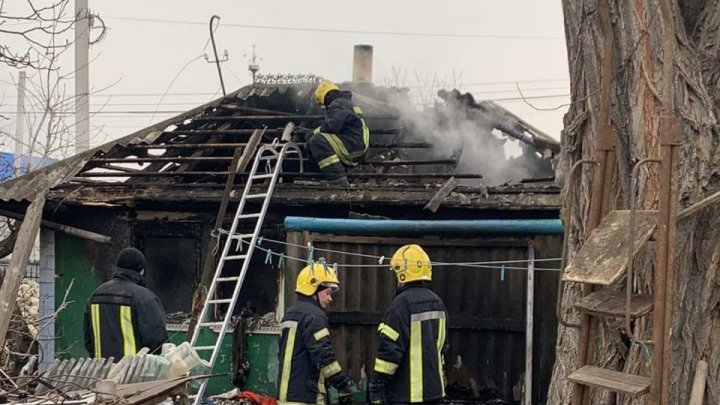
(7, 160)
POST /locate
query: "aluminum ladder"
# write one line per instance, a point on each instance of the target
(269, 159)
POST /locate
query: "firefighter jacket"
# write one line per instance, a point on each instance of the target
(123, 316)
(409, 363)
(344, 128)
(306, 356)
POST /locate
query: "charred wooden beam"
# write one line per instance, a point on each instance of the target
(379, 145)
(253, 109)
(278, 117)
(120, 168)
(269, 131)
(215, 159)
(70, 230)
(288, 175)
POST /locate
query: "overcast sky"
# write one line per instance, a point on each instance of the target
(483, 45)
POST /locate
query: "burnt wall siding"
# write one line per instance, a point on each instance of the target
(486, 308)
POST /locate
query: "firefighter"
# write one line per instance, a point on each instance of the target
(411, 338)
(307, 360)
(343, 138)
(122, 315)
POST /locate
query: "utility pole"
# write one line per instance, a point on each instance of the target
(82, 77)
(19, 124)
(217, 61)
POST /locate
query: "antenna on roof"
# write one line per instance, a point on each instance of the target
(254, 65)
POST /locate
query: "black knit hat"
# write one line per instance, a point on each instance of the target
(132, 259)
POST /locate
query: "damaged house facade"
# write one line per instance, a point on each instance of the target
(438, 177)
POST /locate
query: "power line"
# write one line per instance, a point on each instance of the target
(191, 94)
(101, 112)
(346, 31)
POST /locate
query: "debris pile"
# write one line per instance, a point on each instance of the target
(28, 301)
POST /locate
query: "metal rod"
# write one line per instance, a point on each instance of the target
(698, 206)
(217, 60)
(529, 315)
(631, 250)
(566, 239)
(672, 151)
(374, 227)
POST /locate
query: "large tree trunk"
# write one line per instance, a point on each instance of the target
(650, 79)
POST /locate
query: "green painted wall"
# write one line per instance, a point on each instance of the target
(262, 356)
(72, 266)
(263, 351)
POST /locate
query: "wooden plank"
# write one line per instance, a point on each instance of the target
(443, 192)
(611, 303)
(697, 395)
(616, 381)
(70, 230)
(286, 175)
(603, 258)
(16, 270)
(379, 145)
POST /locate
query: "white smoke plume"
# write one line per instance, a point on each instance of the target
(468, 136)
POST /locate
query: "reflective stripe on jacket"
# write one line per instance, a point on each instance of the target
(412, 341)
(307, 360)
(123, 316)
(345, 130)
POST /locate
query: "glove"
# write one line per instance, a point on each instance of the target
(376, 390)
(299, 137)
(345, 397)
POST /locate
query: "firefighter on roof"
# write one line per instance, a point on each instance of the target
(343, 138)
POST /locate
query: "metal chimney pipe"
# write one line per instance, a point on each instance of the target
(362, 63)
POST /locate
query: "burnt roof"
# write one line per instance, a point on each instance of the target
(193, 151)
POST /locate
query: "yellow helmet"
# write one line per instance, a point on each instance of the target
(322, 90)
(320, 275)
(411, 263)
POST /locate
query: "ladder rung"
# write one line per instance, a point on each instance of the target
(220, 301)
(210, 324)
(224, 279)
(261, 176)
(241, 236)
(610, 303)
(202, 348)
(254, 215)
(260, 195)
(616, 381)
(235, 257)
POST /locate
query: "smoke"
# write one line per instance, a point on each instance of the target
(472, 137)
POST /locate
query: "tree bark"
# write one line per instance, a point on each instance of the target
(661, 67)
